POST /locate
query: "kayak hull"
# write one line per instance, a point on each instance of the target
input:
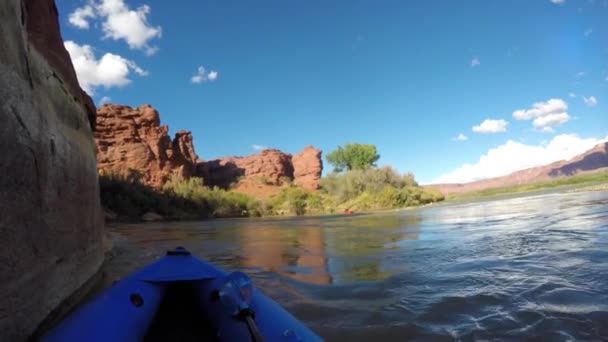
(133, 308)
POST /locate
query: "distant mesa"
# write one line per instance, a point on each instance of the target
(592, 160)
(130, 139)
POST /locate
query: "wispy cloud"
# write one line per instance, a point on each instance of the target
(202, 76)
(558, 1)
(588, 32)
(258, 147)
(590, 101)
(547, 129)
(579, 74)
(475, 62)
(491, 126)
(550, 113)
(80, 17)
(460, 137)
(571, 95)
(104, 100)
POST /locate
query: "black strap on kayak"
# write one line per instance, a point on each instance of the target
(248, 316)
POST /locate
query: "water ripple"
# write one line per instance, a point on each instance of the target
(514, 269)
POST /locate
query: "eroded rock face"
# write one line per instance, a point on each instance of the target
(269, 167)
(264, 174)
(132, 139)
(43, 33)
(51, 220)
(307, 168)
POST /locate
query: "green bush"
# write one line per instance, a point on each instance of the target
(297, 201)
(179, 198)
(377, 188)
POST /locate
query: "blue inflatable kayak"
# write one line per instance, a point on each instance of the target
(181, 298)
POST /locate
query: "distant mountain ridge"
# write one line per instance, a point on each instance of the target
(594, 159)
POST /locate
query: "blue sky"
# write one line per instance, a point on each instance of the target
(407, 76)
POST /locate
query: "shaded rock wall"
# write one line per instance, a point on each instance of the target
(50, 216)
(133, 139)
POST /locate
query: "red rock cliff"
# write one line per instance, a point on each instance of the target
(264, 174)
(271, 167)
(133, 139)
(307, 168)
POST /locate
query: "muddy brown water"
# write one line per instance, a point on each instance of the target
(524, 268)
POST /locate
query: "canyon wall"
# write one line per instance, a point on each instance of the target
(50, 216)
(132, 140)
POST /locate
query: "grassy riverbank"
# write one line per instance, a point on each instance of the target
(595, 177)
(356, 190)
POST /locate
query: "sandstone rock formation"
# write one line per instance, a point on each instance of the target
(132, 139)
(50, 216)
(594, 159)
(265, 173)
(270, 166)
(307, 168)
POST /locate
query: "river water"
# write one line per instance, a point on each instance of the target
(525, 268)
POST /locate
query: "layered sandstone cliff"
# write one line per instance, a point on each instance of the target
(50, 216)
(132, 139)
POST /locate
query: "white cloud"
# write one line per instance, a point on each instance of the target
(258, 147)
(550, 113)
(79, 17)
(550, 120)
(109, 71)
(558, 1)
(460, 137)
(547, 129)
(572, 95)
(202, 76)
(475, 62)
(119, 22)
(514, 156)
(129, 25)
(590, 101)
(491, 126)
(579, 74)
(104, 100)
(588, 32)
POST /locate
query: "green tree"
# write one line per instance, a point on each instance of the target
(353, 157)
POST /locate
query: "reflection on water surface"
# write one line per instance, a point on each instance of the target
(511, 269)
